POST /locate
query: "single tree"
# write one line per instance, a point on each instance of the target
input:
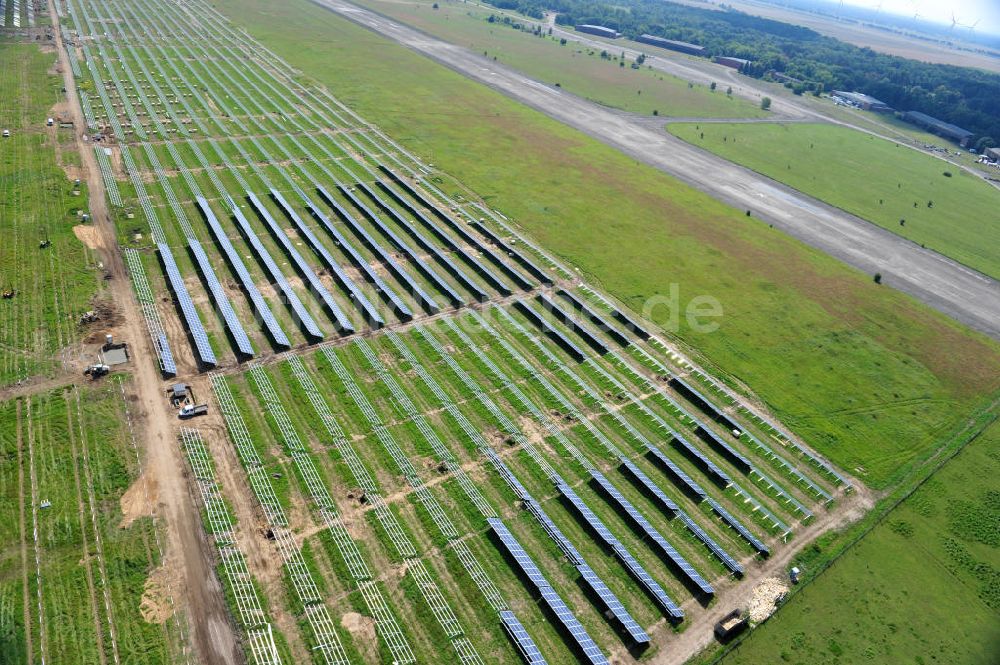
(713, 86)
(765, 103)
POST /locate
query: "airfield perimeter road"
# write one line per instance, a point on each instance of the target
(959, 292)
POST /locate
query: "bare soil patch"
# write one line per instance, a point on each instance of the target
(156, 606)
(138, 501)
(88, 235)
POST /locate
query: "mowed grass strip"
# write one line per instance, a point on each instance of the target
(575, 67)
(865, 374)
(922, 587)
(895, 187)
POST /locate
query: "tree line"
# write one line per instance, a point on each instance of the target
(960, 95)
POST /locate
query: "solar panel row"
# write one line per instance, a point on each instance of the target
(672, 509)
(708, 466)
(564, 343)
(518, 278)
(601, 530)
(581, 330)
(374, 318)
(515, 629)
(204, 348)
(394, 301)
(588, 648)
(291, 298)
(728, 518)
(724, 449)
(239, 335)
(344, 325)
(246, 279)
(698, 399)
(650, 532)
(394, 267)
(418, 237)
(449, 243)
(518, 256)
(603, 324)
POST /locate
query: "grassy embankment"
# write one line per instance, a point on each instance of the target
(899, 189)
(53, 285)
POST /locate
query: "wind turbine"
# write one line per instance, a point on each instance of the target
(953, 23)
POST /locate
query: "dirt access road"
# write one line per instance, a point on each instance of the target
(197, 593)
(955, 290)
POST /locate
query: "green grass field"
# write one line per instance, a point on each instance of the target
(575, 67)
(53, 285)
(65, 461)
(798, 326)
(872, 178)
(923, 587)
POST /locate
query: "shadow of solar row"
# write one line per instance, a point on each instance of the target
(595, 318)
(291, 298)
(719, 476)
(204, 349)
(652, 587)
(446, 239)
(518, 256)
(748, 468)
(246, 280)
(394, 267)
(636, 635)
(419, 238)
(629, 323)
(525, 645)
(388, 295)
(673, 510)
(583, 641)
(342, 323)
(375, 319)
(581, 330)
(695, 396)
(458, 228)
(561, 340)
(649, 531)
(686, 484)
(236, 331)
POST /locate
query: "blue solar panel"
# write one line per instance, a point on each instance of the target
(429, 224)
(344, 324)
(582, 331)
(374, 318)
(526, 645)
(454, 225)
(650, 532)
(236, 262)
(426, 244)
(739, 527)
(595, 318)
(724, 449)
(613, 605)
(243, 344)
(699, 458)
(198, 334)
(788, 466)
(565, 616)
(676, 473)
(673, 509)
(556, 336)
(629, 561)
(394, 267)
(525, 262)
(394, 301)
(166, 355)
(276, 274)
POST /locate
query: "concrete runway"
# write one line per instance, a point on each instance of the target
(960, 292)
